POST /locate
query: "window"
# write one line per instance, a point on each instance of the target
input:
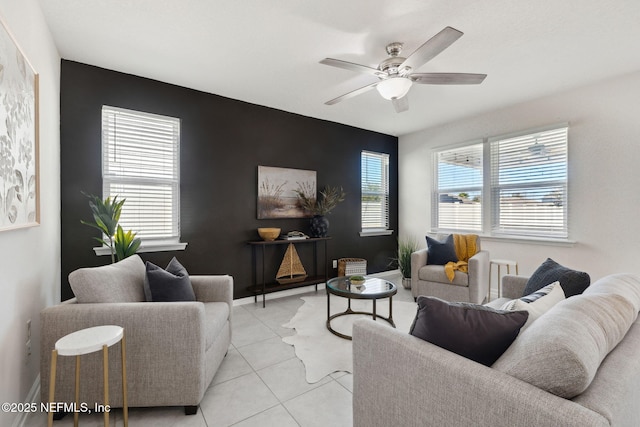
(520, 184)
(375, 193)
(458, 199)
(529, 184)
(140, 163)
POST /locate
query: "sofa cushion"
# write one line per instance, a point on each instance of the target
(563, 350)
(435, 273)
(476, 332)
(573, 282)
(170, 284)
(537, 303)
(216, 316)
(440, 253)
(122, 281)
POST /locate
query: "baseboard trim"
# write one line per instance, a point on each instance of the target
(32, 397)
(304, 290)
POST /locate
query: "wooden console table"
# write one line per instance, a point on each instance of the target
(317, 276)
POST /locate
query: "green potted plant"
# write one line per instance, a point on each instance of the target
(106, 215)
(319, 207)
(406, 247)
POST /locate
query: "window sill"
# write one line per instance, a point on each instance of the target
(149, 247)
(376, 233)
(547, 241)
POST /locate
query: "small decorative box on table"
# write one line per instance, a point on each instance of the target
(350, 266)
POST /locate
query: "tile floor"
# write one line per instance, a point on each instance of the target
(260, 382)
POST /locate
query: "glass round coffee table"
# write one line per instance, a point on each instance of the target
(372, 289)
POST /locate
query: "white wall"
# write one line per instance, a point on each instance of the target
(604, 187)
(30, 258)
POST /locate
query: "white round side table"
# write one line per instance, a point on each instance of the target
(87, 341)
(501, 262)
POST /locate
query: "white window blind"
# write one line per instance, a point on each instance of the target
(458, 196)
(140, 163)
(375, 191)
(529, 184)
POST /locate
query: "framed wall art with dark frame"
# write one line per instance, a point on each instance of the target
(277, 197)
(19, 151)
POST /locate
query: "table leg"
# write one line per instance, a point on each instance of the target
(374, 309)
(328, 305)
(105, 372)
(489, 294)
(391, 311)
(125, 407)
(76, 413)
(52, 385)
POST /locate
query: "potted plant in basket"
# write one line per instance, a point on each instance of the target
(319, 207)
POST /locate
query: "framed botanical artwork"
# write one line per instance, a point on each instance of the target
(19, 179)
(277, 187)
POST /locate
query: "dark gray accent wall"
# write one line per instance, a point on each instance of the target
(222, 143)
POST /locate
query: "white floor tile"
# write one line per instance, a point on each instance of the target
(249, 332)
(266, 353)
(346, 381)
(235, 400)
(328, 405)
(288, 379)
(233, 366)
(274, 417)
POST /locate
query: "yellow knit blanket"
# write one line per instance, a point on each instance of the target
(466, 247)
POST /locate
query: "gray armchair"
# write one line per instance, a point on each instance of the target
(173, 348)
(431, 280)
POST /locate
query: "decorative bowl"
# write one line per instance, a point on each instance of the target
(269, 234)
(357, 280)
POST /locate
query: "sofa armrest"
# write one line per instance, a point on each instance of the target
(418, 260)
(399, 379)
(479, 276)
(161, 337)
(213, 288)
(513, 286)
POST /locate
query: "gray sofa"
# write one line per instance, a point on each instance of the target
(431, 279)
(173, 348)
(402, 380)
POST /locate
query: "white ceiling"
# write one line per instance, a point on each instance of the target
(267, 52)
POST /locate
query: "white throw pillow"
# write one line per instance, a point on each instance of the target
(547, 297)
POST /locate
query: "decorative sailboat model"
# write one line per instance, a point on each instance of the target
(291, 269)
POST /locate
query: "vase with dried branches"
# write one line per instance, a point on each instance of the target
(319, 207)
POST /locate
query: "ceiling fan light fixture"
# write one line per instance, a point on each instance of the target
(394, 87)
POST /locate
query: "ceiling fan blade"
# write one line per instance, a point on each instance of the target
(447, 78)
(401, 104)
(431, 48)
(352, 94)
(353, 67)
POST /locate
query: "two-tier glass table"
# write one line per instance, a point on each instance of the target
(372, 289)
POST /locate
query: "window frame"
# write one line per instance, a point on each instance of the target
(490, 191)
(170, 182)
(384, 193)
(435, 194)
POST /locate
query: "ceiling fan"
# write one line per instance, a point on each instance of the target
(396, 74)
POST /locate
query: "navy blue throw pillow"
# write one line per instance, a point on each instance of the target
(170, 284)
(440, 253)
(572, 282)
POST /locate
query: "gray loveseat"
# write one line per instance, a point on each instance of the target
(402, 380)
(173, 348)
